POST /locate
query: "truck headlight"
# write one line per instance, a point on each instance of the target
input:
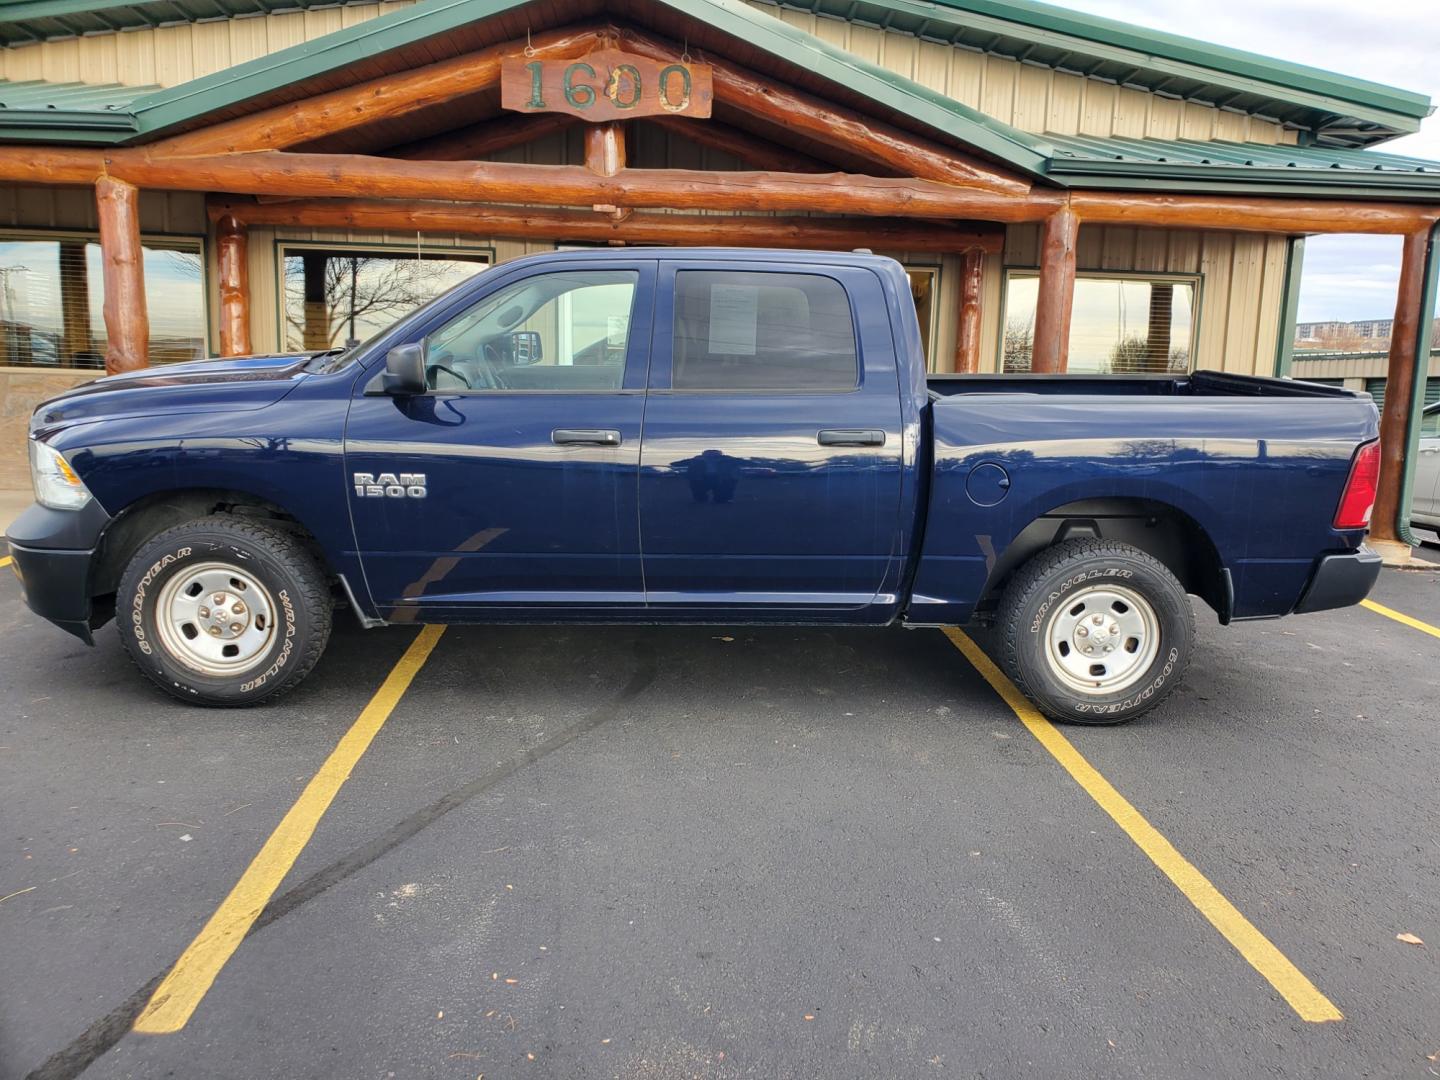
(56, 483)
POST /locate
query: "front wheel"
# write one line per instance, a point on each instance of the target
(224, 610)
(1095, 631)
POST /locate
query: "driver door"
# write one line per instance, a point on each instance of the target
(508, 489)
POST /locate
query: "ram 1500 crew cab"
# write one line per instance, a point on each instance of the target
(715, 436)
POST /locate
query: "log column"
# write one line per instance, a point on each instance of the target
(972, 290)
(231, 252)
(605, 156)
(1399, 389)
(1050, 351)
(605, 148)
(127, 324)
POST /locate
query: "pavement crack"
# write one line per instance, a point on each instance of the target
(101, 1036)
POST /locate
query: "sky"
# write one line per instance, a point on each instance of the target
(1396, 43)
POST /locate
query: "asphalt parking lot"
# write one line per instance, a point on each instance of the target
(657, 853)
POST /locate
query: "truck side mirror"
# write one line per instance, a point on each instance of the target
(405, 370)
(525, 348)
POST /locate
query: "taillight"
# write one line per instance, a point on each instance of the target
(1359, 498)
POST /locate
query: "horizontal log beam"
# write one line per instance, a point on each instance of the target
(321, 175)
(277, 174)
(385, 98)
(640, 228)
(833, 125)
(1237, 213)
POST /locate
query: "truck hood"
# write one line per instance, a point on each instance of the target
(244, 384)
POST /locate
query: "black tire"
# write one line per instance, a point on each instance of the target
(295, 590)
(1030, 611)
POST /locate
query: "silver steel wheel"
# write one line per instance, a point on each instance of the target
(1102, 640)
(215, 619)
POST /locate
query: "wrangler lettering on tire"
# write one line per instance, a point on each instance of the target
(1095, 631)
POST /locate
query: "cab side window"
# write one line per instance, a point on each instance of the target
(750, 330)
(565, 331)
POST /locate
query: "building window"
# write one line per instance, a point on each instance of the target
(1121, 325)
(338, 295)
(52, 297)
(924, 280)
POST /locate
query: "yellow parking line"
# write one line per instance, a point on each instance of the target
(190, 979)
(6, 561)
(1401, 617)
(1264, 957)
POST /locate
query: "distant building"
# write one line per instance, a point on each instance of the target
(1359, 335)
(1367, 330)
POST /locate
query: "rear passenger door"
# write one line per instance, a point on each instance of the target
(770, 472)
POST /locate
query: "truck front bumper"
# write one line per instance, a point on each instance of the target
(51, 552)
(1340, 580)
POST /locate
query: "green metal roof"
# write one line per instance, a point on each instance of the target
(1192, 165)
(88, 112)
(1339, 109)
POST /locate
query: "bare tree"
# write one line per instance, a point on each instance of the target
(1018, 344)
(359, 289)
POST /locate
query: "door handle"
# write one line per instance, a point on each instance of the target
(837, 437)
(590, 436)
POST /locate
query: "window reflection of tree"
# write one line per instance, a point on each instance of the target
(361, 293)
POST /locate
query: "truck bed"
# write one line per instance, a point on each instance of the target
(1014, 454)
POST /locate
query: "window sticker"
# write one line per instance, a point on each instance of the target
(734, 313)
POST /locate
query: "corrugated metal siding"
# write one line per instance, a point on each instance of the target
(1360, 366)
(166, 56)
(1034, 99)
(1376, 389)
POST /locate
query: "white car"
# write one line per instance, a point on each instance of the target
(1425, 502)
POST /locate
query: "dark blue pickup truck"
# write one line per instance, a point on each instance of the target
(686, 436)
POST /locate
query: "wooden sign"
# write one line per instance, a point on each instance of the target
(605, 85)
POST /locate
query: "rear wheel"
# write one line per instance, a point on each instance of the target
(224, 611)
(1095, 631)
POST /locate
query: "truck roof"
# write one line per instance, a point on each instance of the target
(703, 254)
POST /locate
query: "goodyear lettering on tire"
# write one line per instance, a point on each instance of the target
(137, 603)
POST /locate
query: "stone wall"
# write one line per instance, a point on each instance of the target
(21, 389)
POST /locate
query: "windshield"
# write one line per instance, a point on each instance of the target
(332, 360)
